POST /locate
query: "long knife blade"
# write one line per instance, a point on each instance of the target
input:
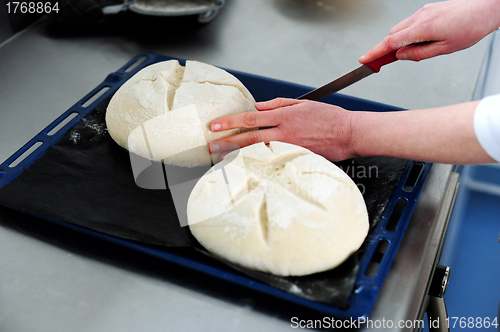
(340, 83)
(349, 78)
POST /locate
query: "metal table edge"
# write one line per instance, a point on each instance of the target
(403, 296)
(439, 235)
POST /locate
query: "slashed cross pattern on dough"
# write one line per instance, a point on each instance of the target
(163, 113)
(271, 208)
(282, 209)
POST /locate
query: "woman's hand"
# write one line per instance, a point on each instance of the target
(338, 134)
(322, 128)
(439, 28)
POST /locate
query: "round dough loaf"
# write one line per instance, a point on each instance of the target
(280, 209)
(164, 112)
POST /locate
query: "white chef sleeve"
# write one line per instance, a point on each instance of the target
(487, 125)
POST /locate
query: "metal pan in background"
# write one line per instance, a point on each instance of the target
(206, 10)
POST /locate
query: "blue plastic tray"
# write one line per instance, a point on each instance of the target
(383, 242)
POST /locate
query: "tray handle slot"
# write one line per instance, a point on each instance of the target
(378, 255)
(136, 64)
(25, 154)
(95, 96)
(392, 224)
(63, 123)
(413, 177)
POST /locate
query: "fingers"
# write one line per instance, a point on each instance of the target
(222, 148)
(245, 139)
(389, 44)
(276, 103)
(247, 120)
(399, 36)
(224, 154)
(401, 26)
(218, 146)
(386, 46)
(421, 51)
(404, 24)
(377, 52)
(253, 119)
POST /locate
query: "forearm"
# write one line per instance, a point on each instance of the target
(444, 134)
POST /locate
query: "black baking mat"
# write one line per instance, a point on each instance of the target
(86, 179)
(83, 180)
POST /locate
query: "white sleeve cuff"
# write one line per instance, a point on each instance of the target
(487, 125)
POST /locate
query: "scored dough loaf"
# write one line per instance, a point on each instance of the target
(164, 112)
(280, 209)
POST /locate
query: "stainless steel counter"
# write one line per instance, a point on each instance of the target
(54, 280)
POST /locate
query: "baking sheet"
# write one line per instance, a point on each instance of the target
(85, 182)
(86, 179)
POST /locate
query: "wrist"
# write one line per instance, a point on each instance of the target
(356, 144)
(336, 140)
(371, 131)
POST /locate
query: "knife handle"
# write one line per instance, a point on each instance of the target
(385, 60)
